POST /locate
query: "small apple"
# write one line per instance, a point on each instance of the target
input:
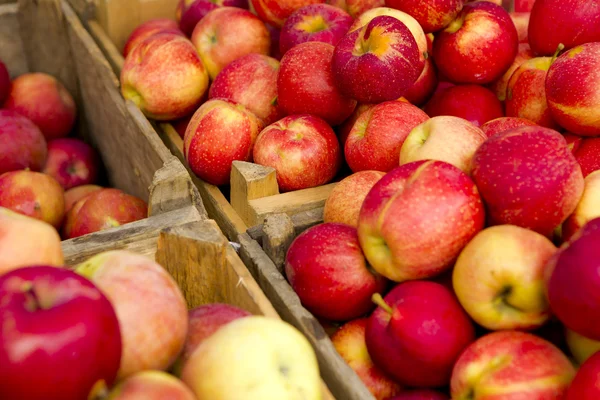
(502, 124)
(151, 385)
(432, 15)
(150, 28)
(587, 209)
(500, 85)
(72, 162)
(581, 347)
(77, 193)
(190, 12)
(585, 384)
(23, 144)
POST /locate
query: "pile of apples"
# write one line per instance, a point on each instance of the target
(45, 173)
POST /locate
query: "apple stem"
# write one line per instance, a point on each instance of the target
(377, 299)
(559, 48)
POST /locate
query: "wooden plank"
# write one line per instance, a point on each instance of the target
(251, 181)
(11, 45)
(277, 236)
(113, 56)
(301, 221)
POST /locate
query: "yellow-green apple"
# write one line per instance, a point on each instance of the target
(511, 365)
(528, 177)
(478, 46)
(420, 394)
(445, 138)
(585, 384)
(45, 101)
(60, 335)
(103, 209)
(27, 241)
(499, 86)
(523, 5)
(407, 225)
(219, 133)
(350, 343)
(345, 200)
(521, 21)
(587, 209)
(190, 12)
(252, 82)
(423, 88)
(573, 89)
(150, 28)
(377, 136)
(499, 278)
(77, 193)
(276, 362)
(587, 154)
(72, 162)
(305, 84)
(356, 7)
(22, 143)
(203, 321)
(150, 307)
(228, 33)
(502, 124)
(581, 347)
(316, 23)
(417, 333)
(151, 385)
(275, 12)
(432, 15)
(33, 194)
(164, 77)
(570, 22)
(4, 82)
(572, 281)
(378, 62)
(475, 103)
(327, 269)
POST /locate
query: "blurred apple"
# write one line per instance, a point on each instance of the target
(432, 15)
(521, 21)
(587, 155)
(581, 347)
(433, 105)
(75, 194)
(524, 5)
(190, 12)
(4, 82)
(500, 85)
(502, 124)
(574, 142)
(151, 385)
(150, 28)
(22, 143)
(72, 162)
(587, 209)
(585, 384)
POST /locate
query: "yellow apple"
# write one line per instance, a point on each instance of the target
(581, 347)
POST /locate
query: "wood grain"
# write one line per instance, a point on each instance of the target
(12, 52)
(277, 236)
(251, 181)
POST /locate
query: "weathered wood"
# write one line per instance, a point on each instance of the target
(278, 234)
(249, 182)
(85, 9)
(11, 45)
(301, 221)
(114, 57)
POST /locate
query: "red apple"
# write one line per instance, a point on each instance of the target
(181, 125)
(408, 222)
(77, 193)
(502, 124)
(151, 385)
(150, 28)
(432, 15)
(356, 7)
(72, 162)
(219, 133)
(521, 21)
(45, 101)
(150, 307)
(511, 365)
(377, 136)
(528, 177)
(33, 194)
(343, 130)
(327, 269)
(524, 5)
(432, 107)
(305, 84)
(585, 384)
(424, 87)
(314, 23)
(581, 347)
(570, 22)
(22, 143)
(4, 82)
(574, 142)
(499, 86)
(252, 82)
(275, 33)
(420, 394)
(417, 333)
(164, 77)
(190, 12)
(588, 155)
(275, 12)
(478, 46)
(350, 342)
(587, 208)
(60, 335)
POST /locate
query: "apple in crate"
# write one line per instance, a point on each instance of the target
(420, 394)
(27, 241)
(327, 269)
(500, 85)
(151, 309)
(260, 357)
(4, 82)
(502, 124)
(356, 7)
(190, 12)
(425, 86)
(33, 194)
(408, 222)
(350, 343)
(77, 193)
(432, 15)
(60, 335)
(45, 101)
(219, 133)
(511, 365)
(585, 384)
(151, 385)
(150, 28)
(478, 46)
(581, 347)
(164, 76)
(228, 33)
(417, 333)
(275, 12)
(587, 209)
(72, 162)
(22, 143)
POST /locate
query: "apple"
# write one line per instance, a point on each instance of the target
(305, 84)
(77, 193)
(228, 33)
(45, 101)
(511, 365)
(584, 386)
(502, 124)
(573, 89)
(327, 269)
(252, 82)
(151, 385)
(316, 23)
(420, 394)
(23, 144)
(432, 107)
(521, 21)
(408, 222)
(345, 200)
(528, 177)
(572, 277)
(478, 46)
(33, 194)
(190, 12)
(524, 5)
(181, 125)
(581, 347)
(275, 34)
(164, 77)
(587, 208)
(587, 155)
(500, 85)
(432, 15)
(17, 247)
(150, 28)
(350, 343)
(343, 130)
(445, 138)
(356, 7)
(277, 362)
(4, 82)
(378, 62)
(570, 22)
(574, 141)
(60, 335)
(377, 136)
(150, 307)
(219, 133)
(72, 162)
(275, 12)
(417, 333)
(424, 87)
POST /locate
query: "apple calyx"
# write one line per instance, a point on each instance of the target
(32, 300)
(477, 376)
(455, 25)
(378, 299)
(502, 299)
(312, 24)
(99, 391)
(559, 48)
